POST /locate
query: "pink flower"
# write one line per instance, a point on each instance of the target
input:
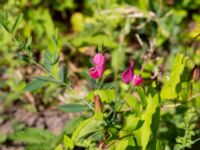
(99, 59)
(137, 79)
(99, 68)
(127, 75)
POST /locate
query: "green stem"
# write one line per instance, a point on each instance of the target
(89, 106)
(125, 136)
(63, 84)
(44, 69)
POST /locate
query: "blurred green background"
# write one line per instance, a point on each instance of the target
(167, 27)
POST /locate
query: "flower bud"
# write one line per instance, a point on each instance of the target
(196, 73)
(98, 107)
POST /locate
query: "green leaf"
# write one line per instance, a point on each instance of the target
(48, 22)
(72, 124)
(105, 95)
(41, 146)
(171, 87)
(63, 74)
(47, 79)
(77, 21)
(68, 143)
(34, 85)
(143, 134)
(73, 108)
(133, 103)
(87, 128)
(17, 22)
(142, 96)
(122, 144)
(33, 136)
(110, 85)
(133, 123)
(153, 143)
(59, 147)
(4, 21)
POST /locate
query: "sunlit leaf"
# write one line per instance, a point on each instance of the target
(105, 95)
(133, 123)
(86, 129)
(171, 87)
(68, 143)
(143, 134)
(59, 147)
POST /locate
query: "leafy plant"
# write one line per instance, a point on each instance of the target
(121, 108)
(188, 126)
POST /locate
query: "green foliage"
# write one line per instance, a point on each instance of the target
(34, 85)
(63, 74)
(89, 131)
(17, 22)
(160, 36)
(35, 138)
(105, 95)
(73, 108)
(133, 123)
(68, 143)
(142, 96)
(143, 134)
(188, 125)
(171, 88)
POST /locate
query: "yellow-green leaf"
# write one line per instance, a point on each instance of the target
(170, 88)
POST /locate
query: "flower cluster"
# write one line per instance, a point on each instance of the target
(128, 75)
(99, 68)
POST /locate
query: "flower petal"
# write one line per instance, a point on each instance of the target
(137, 79)
(99, 60)
(101, 70)
(93, 72)
(127, 75)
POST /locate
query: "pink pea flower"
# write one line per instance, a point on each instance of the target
(99, 60)
(127, 75)
(99, 68)
(137, 79)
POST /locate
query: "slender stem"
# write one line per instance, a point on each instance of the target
(194, 96)
(179, 104)
(101, 82)
(89, 106)
(63, 84)
(120, 138)
(188, 144)
(44, 69)
(171, 106)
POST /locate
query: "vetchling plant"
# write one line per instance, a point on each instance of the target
(188, 126)
(120, 113)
